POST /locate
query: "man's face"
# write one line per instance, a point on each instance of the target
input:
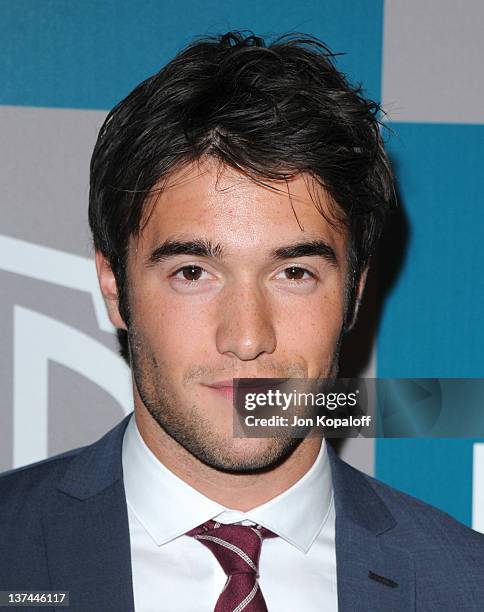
(238, 304)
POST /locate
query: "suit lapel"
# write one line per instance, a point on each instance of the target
(370, 576)
(372, 572)
(86, 530)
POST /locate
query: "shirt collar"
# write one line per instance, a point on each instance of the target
(299, 513)
(168, 507)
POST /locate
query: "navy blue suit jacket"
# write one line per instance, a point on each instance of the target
(64, 526)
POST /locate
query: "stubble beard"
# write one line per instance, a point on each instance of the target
(188, 427)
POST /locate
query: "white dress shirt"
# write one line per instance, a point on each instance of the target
(173, 572)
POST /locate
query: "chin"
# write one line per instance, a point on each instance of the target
(246, 455)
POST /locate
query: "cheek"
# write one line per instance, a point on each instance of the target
(315, 331)
(174, 329)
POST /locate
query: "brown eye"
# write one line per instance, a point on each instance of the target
(191, 273)
(295, 273)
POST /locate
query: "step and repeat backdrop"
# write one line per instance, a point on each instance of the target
(64, 64)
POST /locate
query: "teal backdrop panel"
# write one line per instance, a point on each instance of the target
(432, 318)
(90, 54)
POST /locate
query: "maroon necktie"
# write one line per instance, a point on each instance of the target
(237, 549)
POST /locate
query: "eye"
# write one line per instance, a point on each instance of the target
(189, 274)
(296, 273)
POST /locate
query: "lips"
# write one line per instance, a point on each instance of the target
(226, 392)
(225, 388)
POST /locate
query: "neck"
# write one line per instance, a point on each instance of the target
(235, 491)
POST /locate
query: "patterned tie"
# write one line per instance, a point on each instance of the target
(237, 549)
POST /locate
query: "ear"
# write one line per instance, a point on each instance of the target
(358, 297)
(109, 289)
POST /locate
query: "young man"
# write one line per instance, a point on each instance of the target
(236, 199)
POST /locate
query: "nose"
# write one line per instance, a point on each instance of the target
(245, 327)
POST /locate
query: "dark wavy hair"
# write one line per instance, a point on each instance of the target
(271, 111)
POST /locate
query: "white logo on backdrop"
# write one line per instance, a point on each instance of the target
(39, 339)
(478, 487)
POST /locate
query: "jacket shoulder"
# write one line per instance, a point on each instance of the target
(434, 527)
(29, 485)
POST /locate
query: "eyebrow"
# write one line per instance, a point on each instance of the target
(313, 248)
(172, 248)
(206, 248)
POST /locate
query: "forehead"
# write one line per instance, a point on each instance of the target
(210, 199)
